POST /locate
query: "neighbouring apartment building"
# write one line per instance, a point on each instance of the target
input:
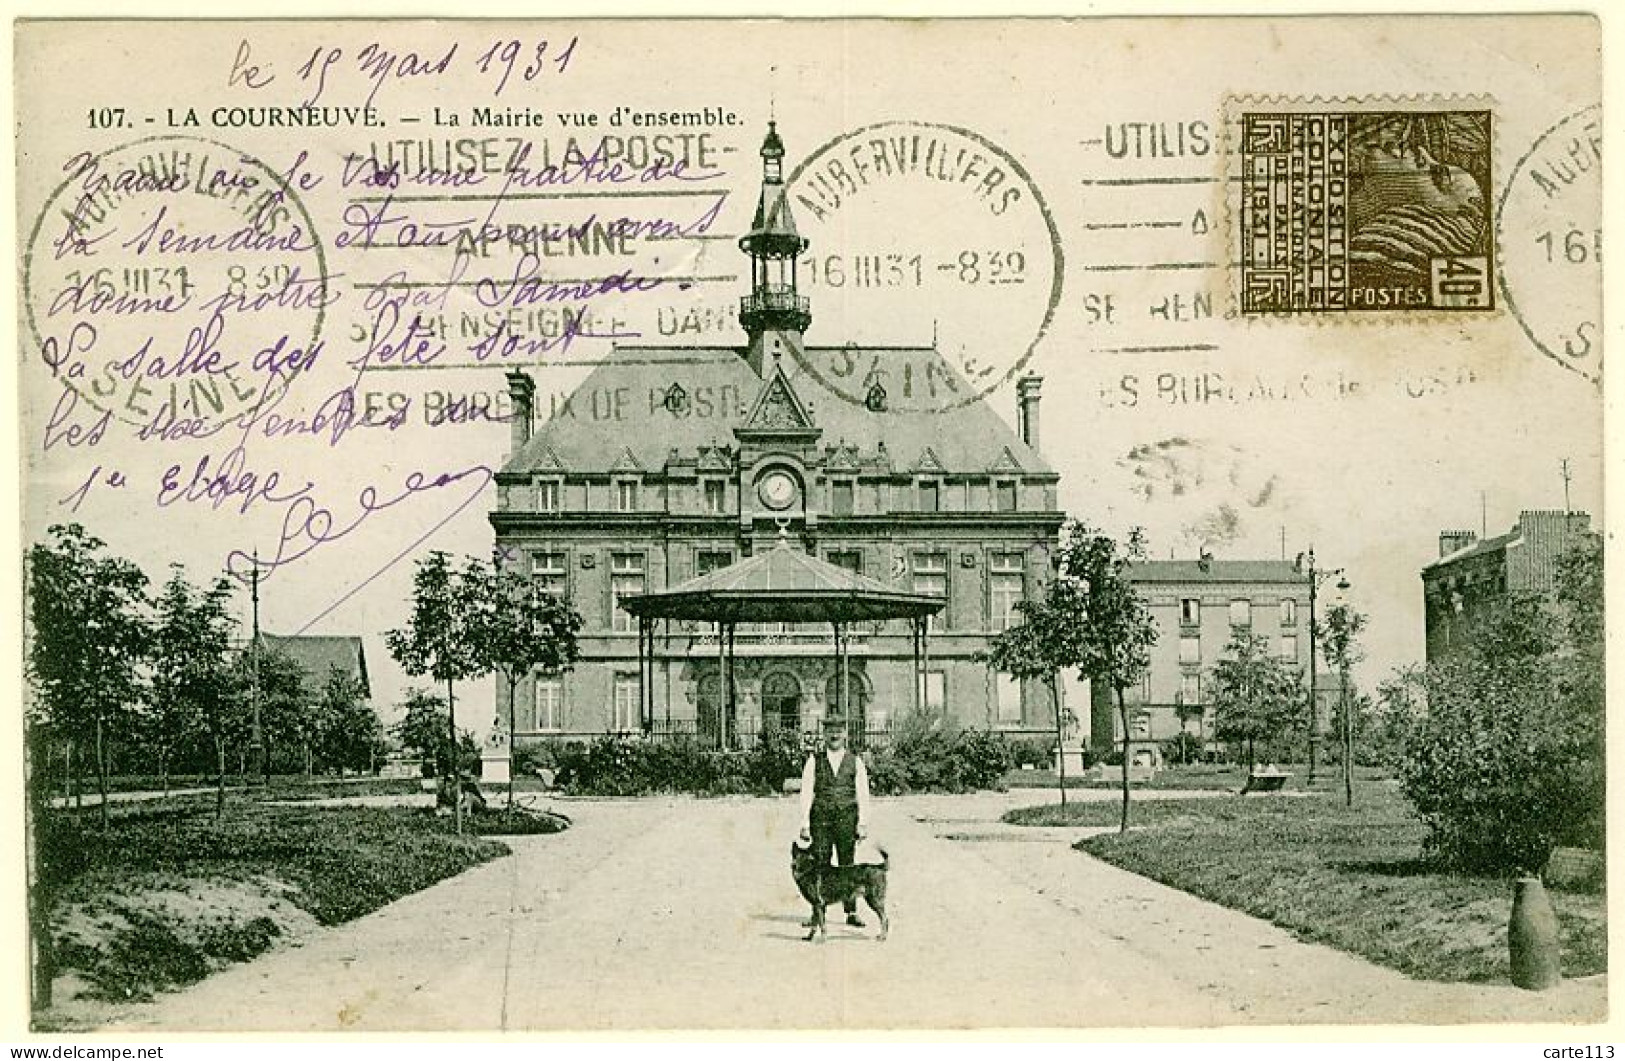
(1197, 606)
(734, 449)
(1472, 574)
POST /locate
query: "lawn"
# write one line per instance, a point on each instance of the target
(1354, 879)
(168, 894)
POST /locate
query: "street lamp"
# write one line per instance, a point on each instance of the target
(1344, 634)
(1305, 564)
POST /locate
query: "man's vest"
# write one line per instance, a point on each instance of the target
(835, 792)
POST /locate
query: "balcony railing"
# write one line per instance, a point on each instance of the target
(773, 298)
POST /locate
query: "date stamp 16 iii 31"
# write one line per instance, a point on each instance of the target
(1351, 211)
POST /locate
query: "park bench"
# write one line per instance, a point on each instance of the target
(1265, 781)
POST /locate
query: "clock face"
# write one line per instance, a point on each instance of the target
(777, 490)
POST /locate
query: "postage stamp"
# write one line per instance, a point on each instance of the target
(1352, 211)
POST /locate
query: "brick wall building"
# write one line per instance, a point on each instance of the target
(1471, 575)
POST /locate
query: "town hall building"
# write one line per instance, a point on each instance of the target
(950, 503)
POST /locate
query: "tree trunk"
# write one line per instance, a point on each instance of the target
(101, 772)
(1250, 759)
(1060, 738)
(39, 910)
(1122, 713)
(220, 777)
(308, 764)
(513, 727)
(73, 777)
(456, 759)
(163, 771)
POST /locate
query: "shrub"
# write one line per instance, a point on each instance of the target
(1033, 751)
(928, 753)
(1507, 760)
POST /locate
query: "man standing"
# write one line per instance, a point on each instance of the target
(835, 803)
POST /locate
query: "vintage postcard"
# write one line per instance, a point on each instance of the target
(548, 526)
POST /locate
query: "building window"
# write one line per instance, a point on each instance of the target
(709, 560)
(936, 690)
(930, 495)
(1140, 726)
(626, 495)
(547, 495)
(1008, 696)
(1190, 688)
(1190, 649)
(1289, 647)
(1004, 496)
(1190, 612)
(549, 713)
(1241, 613)
(549, 571)
(848, 559)
(1289, 611)
(716, 496)
(1006, 587)
(627, 714)
(840, 497)
(625, 580)
(931, 578)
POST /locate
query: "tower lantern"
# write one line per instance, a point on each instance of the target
(774, 314)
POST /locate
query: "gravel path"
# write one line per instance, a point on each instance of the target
(681, 914)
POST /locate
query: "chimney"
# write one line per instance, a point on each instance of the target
(1455, 540)
(1027, 408)
(522, 390)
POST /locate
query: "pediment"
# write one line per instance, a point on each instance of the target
(778, 407)
(626, 462)
(928, 461)
(1006, 462)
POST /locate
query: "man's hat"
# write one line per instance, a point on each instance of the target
(835, 721)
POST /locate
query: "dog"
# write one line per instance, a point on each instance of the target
(821, 886)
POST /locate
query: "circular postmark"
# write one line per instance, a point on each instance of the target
(175, 282)
(1549, 222)
(938, 255)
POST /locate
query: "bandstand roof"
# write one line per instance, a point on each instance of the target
(782, 585)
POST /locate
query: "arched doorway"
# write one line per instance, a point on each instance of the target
(781, 701)
(859, 693)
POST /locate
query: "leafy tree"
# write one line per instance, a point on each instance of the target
(353, 737)
(1118, 629)
(439, 639)
(192, 670)
(291, 713)
(1048, 639)
(1256, 696)
(519, 629)
(1340, 645)
(90, 638)
(424, 731)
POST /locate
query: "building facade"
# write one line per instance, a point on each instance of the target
(736, 449)
(1472, 575)
(1198, 605)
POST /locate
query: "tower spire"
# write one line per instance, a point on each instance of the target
(774, 314)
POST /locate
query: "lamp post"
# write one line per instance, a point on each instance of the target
(1345, 625)
(1305, 563)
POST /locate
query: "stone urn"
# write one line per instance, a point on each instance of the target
(1532, 937)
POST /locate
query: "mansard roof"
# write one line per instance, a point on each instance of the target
(968, 439)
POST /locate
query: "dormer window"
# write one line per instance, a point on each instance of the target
(626, 495)
(1004, 495)
(930, 491)
(715, 496)
(548, 493)
(841, 497)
